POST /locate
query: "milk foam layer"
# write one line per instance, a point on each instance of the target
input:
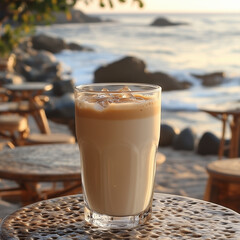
(117, 145)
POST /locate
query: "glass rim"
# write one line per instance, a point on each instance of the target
(152, 87)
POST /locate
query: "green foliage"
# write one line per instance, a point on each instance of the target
(110, 3)
(18, 17)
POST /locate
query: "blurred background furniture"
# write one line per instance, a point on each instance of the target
(26, 100)
(3, 95)
(13, 128)
(6, 144)
(30, 101)
(29, 166)
(51, 138)
(227, 113)
(223, 186)
(173, 217)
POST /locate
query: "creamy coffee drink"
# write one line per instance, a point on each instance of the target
(118, 135)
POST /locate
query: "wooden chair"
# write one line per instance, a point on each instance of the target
(14, 128)
(26, 109)
(12, 115)
(223, 186)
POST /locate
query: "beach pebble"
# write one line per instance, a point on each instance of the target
(167, 135)
(208, 144)
(185, 140)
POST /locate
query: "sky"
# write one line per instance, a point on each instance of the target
(166, 6)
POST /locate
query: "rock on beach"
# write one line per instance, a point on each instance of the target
(55, 44)
(167, 135)
(185, 140)
(208, 144)
(133, 69)
(77, 16)
(211, 79)
(163, 22)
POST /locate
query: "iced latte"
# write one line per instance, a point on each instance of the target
(118, 128)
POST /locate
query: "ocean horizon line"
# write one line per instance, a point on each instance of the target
(163, 12)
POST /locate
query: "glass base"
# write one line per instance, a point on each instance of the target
(111, 222)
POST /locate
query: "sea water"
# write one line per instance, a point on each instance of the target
(208, 43)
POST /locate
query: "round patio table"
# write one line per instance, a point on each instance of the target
(173, 217)
(30, 165)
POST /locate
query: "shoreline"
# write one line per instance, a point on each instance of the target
(199, 121)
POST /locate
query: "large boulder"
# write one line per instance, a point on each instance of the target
(48, 43)
(208, 144)
(166, 81)
(127, 69)
(55, 44)
(77, 47)
(167, 135)
(10, 78)
(163, 22)
(185, 140)
(63, 86)
(53, 68)
(32, 58)
(61, 108)
(37, 66)
(211, 79)
(132, 69)
(39, 58)
(45, 73)
(66, 106)
(77, 16)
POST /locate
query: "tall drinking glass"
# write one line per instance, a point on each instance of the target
(118, 129)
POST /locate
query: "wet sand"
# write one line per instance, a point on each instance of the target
(201, 122)
(182, 173)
